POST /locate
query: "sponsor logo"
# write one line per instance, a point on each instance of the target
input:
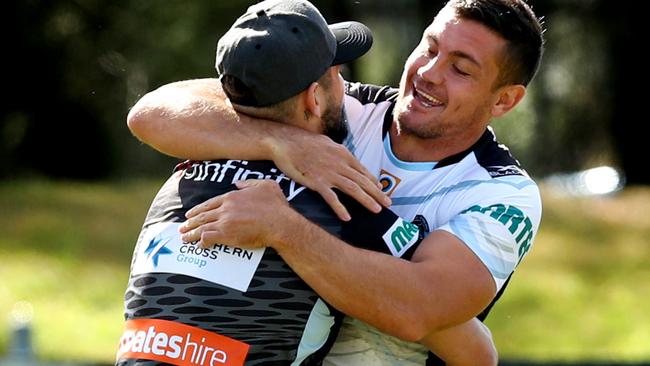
(157, 248)
(232, 171)
(502, 171)
(160, 249)
(401, 236)
(388, 182)
(514, 219)
(179, 344)
(422, 224)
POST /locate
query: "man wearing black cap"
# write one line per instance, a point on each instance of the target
(191, 305)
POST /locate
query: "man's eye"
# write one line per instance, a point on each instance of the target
(459, 71)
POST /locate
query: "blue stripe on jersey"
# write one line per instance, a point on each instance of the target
(348, 142)
(514, 181)
(413, 166)
(497, 266)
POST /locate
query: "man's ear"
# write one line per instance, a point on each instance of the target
(312, 99)
(507, 98)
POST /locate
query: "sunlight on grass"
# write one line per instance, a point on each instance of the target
(582, 293)
(66, 250)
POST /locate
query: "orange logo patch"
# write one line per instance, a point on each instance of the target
(179, 344)
(388, 182)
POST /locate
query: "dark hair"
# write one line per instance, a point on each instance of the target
(515, 21)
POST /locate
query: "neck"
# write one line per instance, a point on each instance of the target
(407, 147)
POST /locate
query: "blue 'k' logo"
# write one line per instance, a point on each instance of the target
(155, 250)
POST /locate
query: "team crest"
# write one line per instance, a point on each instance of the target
(388, 182)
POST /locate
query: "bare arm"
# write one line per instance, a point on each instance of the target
(466, 344)
(443, 285)
(193, 119)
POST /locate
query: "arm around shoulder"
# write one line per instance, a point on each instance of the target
(193, 119)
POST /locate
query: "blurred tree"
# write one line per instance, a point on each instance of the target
(45, 128)
(76, 66)
(623, 23)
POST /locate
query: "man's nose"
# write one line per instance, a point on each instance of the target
(432, 71)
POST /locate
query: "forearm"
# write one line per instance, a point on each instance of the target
(368, 285)
(468, 344)
(193, 119)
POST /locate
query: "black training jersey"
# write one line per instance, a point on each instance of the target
(275, 312)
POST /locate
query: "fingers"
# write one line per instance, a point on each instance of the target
(367, 192)
(333, 201)
(199, 219)
(354, 184)
(212, 237)
(360, 176)
(356, 165)
(205, 234)
(249, 183)
(210, 204)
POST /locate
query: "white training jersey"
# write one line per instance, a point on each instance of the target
(482, 196)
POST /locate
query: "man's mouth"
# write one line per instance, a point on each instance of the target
(425, 99)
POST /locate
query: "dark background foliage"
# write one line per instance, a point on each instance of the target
(73, 68)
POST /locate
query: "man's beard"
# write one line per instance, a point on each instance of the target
(333, 124)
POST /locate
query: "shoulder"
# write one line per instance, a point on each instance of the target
(368, 93)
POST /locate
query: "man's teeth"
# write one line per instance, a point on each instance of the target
(431, 99)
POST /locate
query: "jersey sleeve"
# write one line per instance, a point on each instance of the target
(499, 228)
(367, 93)
(383, 232)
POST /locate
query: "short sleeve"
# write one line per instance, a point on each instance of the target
(499, 230)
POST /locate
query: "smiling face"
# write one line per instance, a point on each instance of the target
(449, 86)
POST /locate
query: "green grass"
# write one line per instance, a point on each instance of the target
(582, 293)
(66, 249)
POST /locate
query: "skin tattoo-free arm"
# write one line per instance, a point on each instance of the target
(444, 284)
(194, 120)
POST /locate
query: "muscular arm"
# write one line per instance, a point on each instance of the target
(466, 344)
(444, 284)
(193, 119)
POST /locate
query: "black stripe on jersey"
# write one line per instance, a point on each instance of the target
(367, 93)
(388, 121)
(491, 155)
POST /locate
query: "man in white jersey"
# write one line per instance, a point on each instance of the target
(436, 157)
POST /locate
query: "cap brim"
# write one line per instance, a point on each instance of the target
(353, 40)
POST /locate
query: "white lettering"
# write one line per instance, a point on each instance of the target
(190, 172)
(199, 173)
(293, 191)
(159, 344)
(147, 340)
(219, 356)
(174, 344)
(216, 167)
(224, 169)
(248, 173)
(187, 346)
(138, 341)
(126, 340)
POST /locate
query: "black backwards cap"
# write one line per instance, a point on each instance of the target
(279, 47)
